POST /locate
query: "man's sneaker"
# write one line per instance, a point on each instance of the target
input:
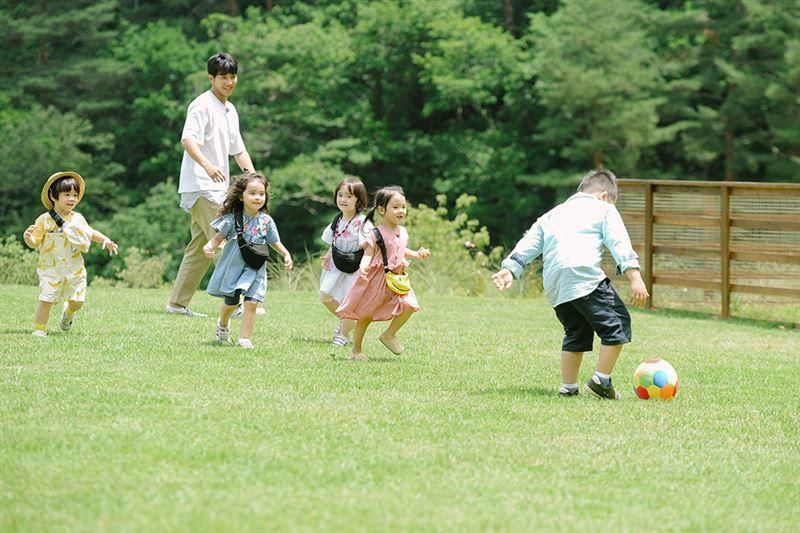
(178, 310)
(39, 333)
(239, 311)
(67, 319)
(564, 392)
(247, 344)
(596, 389)
(223, 334)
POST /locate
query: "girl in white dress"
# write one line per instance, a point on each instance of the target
(346, 236)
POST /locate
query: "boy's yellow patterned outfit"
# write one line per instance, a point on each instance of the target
(62, 275)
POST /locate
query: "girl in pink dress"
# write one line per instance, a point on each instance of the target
(369, 299)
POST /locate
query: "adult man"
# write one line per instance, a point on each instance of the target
(210, 136)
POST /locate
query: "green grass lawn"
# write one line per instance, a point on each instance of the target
(136, 421)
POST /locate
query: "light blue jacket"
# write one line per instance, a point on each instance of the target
(570, 239)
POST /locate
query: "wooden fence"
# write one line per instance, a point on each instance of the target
(726, 237)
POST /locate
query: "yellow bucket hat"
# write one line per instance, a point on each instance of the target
(46, 199)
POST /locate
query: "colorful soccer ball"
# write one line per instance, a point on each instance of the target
(655, 379)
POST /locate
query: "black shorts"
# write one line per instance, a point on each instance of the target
(602, 312)
(236, 298)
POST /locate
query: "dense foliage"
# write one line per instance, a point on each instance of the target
(505, 100)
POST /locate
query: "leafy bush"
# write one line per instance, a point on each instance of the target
(462, 259)
(142, 271)
(17, 263)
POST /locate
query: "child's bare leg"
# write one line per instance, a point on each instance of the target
(358, 338)
(225, 313)
(248, 319)
(570, 365)
(608, 358)
(397, 323)
(42, 314)
(347, 327)
(328, 302)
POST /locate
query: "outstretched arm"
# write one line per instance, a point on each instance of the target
(502, 279)
(106, 243)
(33, 236)
(421, 254)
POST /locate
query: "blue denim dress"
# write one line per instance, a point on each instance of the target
(232, 273)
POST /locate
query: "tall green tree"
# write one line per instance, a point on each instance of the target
(599, 78)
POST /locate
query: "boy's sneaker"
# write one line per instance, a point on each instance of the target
(178, 310)
(565, 392)
(39, 333)
(596, 389)
(223, 334)
(239, 311)
(67, 319)
(247, 344)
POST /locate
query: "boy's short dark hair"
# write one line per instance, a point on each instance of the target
(600, 180)
(65, 184)
(222, 63)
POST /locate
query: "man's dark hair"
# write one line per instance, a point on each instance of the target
(222, 64)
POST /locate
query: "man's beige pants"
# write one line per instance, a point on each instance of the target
(195, 264)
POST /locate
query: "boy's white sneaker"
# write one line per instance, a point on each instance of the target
(67, 319)
(247, 344)
(223, 334)
(240, 311)
(39, 333)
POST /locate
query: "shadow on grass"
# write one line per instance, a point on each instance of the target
(16, 331)
(518, 392)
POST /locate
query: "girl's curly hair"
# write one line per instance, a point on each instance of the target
(234, 199)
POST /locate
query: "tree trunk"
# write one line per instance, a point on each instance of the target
(270, 5)
(42, 50)
(508, 16)
(598, 158)
(232, 8)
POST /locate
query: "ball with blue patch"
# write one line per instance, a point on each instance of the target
(655, 378)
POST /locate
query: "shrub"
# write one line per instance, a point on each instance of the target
(142, 271)
(17, 263)
(462, 258)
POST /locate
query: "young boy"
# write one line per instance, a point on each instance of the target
(210, 136)
(570, 239)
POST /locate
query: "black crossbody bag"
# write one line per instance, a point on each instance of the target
(347, 262)
(255, 255)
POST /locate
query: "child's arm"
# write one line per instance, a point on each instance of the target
(33, 236)
(527, 249)
(639, 292)
(502, 279)
(366, 260)
(422, 254)
(287, 257)
(213, 244)
(107, 243)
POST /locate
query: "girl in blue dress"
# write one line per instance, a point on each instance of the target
(233, 277)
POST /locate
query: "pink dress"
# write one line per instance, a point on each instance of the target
(371, 298)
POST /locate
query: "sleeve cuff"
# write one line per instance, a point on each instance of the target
(627, 265)
(514, 264)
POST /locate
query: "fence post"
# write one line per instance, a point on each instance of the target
(648, 242)
(724, 249)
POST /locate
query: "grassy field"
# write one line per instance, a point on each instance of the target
(136, 421)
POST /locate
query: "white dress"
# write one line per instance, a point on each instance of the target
(351, 235)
